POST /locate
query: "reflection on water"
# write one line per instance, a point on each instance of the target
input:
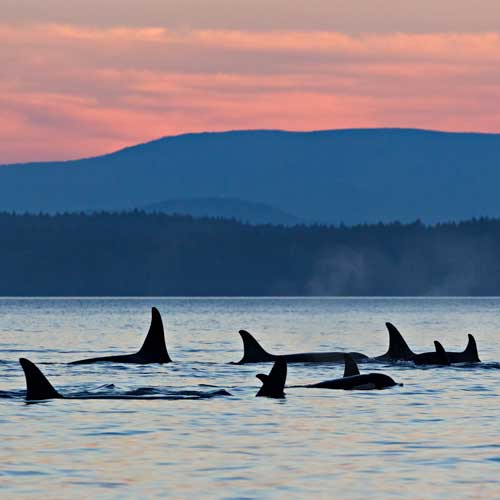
(438, 436)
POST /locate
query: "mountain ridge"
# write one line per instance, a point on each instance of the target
(326, 176)
(238, 131)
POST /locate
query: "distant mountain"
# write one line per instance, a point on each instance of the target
(350, 176)
(228, 208)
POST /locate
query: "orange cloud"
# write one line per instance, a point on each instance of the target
(69, 91)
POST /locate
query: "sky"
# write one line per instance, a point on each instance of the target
(82, 78)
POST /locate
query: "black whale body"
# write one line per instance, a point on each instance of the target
(366, 381)
(153, 350)
(353, 380)
(38, 388)
(273, 384)
(253, 352)
(399, 351)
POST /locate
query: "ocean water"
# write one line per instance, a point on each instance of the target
(436, 437)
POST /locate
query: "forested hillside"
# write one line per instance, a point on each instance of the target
(154, 254)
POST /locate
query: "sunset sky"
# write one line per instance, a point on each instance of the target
(81, 78)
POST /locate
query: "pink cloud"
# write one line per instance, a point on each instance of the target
(69, 91)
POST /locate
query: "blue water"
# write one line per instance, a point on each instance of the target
(438, 436)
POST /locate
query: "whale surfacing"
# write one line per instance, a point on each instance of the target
(273, 385)
(399, 351)
(253, 352)
(37, 385)
(440, 357)
(353, 380)
(153, 350)
(468, 355)
(38, 388)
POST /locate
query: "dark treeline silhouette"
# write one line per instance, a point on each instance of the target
(155, 254)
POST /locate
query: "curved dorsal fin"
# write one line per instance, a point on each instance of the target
(37, 385)
(351, 368)
(398, 348)
(471, 350)
(441, 353)
(154, 348)
(253, 352)
(273, 385)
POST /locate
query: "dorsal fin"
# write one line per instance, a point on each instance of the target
(398, 348)
(471, 350)
(37, 385)
(441, 353)
(273, 385)
(351, 368)
(253, 352)
(154, 348)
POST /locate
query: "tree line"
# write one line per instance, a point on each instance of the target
(143, 254)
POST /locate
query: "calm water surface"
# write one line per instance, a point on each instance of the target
(436, 437)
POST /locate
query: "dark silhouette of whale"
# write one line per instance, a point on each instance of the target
(253, 352)
(273, 385)
(154, 349)
(399, 351)
(37, 385)
(353, 380)
(38, 388)
(440, 357)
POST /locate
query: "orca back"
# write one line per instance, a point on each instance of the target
(253, 352)
(398, 348)
(350, 368)
(442, 357)
(273, 385)
(37, 385)
(468, 355)
(154, 348)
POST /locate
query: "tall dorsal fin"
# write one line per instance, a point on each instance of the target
(37, 385)
(253, 352)
(154, 348)
(441, 353)
(471, 350)
(273, 385)
(351, 368)
(398, 348)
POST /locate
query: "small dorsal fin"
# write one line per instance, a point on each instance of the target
(351, 368)
(253, 352)
(154, 348)
(398, 348)
(441, 353)
(471, 350)
(37, 385)
(273, 385)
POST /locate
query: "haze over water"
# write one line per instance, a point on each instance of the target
(437, 436)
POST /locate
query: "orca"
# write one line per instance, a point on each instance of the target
(153, 350)
(273, 385)
(353, 380)
(38, 388)
(37, 385)
(468, 355)
(253, 352)
(399, 351)
(440, 357)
